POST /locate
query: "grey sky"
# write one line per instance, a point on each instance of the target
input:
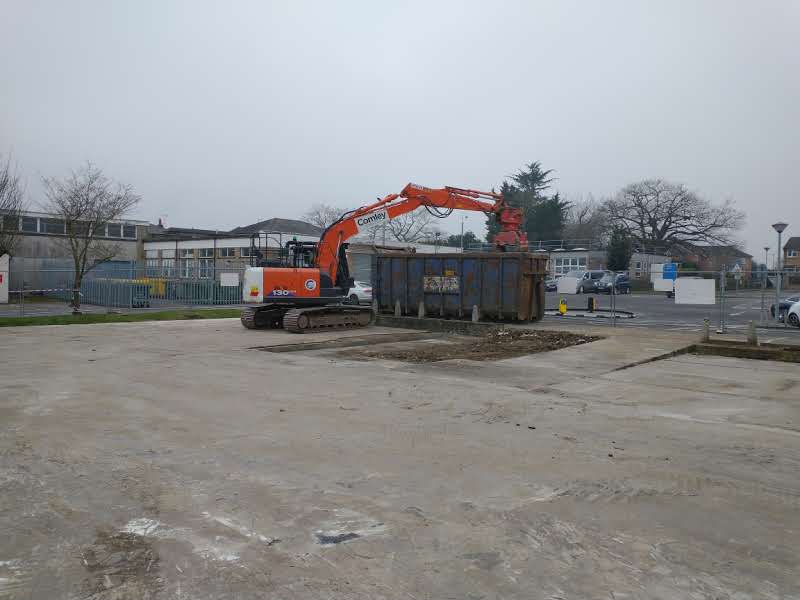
(224, 113)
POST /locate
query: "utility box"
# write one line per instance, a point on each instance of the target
(4, 278)
(506, 286)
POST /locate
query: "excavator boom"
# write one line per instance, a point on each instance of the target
(442, 200)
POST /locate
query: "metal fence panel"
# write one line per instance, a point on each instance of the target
(127, 284)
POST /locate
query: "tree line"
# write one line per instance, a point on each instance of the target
(651, 212)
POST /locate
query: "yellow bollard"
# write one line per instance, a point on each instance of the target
(562, 306)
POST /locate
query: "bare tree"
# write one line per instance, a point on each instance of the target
(657, 212)
(86, 201)
(585, 220)
(12, 203)
(412, 227)
(322, 215)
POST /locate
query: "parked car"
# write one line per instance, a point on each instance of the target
(783, 306)
(621, 285)
(793, 315)
(361, 292)
(551, 285)
(588, 283)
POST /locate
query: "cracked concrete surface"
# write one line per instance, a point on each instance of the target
(172, 460)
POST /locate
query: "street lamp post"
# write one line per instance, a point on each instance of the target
(780, 226)
(463, 218)
(764, 283)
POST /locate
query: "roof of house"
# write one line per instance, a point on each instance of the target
(279, 226)
(793, 243)
(715, 251)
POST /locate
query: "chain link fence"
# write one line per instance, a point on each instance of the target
(46, 286)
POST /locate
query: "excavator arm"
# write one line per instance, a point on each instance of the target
(444, 200)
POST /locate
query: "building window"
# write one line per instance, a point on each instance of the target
(9, 223)
(187, 252)
(151, 253)
(206, 269)
(791, 253)
(114, 230)
(129, 232)
(638, 265)
(227, 252)
(206, 253)
(54, 226)
(168, 267)
(244, 252)
(30, 224)
(152, 267)
(168, 253)
(187, 268)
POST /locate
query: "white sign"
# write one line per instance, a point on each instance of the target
(656, 271)
(4, 279)
(568, 285)
(663, 285)
(689, 290)
(229, 279)
(372, 220)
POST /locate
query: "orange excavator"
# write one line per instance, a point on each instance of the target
(306, 288)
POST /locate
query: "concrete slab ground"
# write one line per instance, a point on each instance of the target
(174, 460)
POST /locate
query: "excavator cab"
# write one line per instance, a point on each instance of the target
(269, 250)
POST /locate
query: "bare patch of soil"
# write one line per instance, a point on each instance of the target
(494, 346)
(120, 563)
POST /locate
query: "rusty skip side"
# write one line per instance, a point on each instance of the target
(506, 286)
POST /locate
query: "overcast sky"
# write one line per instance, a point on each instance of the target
(224, 113)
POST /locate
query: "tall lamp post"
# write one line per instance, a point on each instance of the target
(463, 218)
(764, 283)
(780, 226)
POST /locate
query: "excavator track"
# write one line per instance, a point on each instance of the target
(334, 316)
(263, 317)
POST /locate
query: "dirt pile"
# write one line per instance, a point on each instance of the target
(494, 346)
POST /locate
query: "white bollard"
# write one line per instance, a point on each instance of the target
(421, 310)
(397, 311)
(476, 314)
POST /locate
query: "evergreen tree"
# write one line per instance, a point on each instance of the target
(544, 216)
(619, 250)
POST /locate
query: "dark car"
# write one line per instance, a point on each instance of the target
(588, 284)
(551, 285)
(784, 306)
(622, 284)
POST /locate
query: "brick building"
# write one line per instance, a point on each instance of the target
(791, 254)
(717, 258)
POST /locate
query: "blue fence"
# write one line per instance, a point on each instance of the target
(129, 284)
